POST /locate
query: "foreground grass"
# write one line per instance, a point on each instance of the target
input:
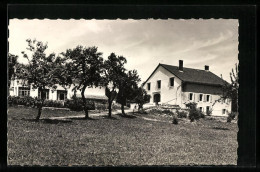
(117, 141)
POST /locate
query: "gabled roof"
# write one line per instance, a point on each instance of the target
(192, 75)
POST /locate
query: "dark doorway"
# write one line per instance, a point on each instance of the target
(156, 98)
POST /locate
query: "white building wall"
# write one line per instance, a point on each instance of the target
(174, 95)
(214, 105)
(53, 94)
(169, 95)
(89, 91)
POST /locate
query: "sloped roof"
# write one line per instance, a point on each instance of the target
(192, 75)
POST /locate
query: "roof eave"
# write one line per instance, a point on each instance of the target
(212, 84)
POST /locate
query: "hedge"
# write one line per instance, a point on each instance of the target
(74, 104)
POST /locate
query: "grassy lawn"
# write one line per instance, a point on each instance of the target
(117, 141)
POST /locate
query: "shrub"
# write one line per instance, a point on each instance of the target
(100, 106)
(231, 116)
(182, 114)
(167, 111)
(58, 103)
(208, 113)
(175, 120)
(13, 100)
(26, 101)
(142, 111)
(195, 114)
(75, 104)
(48, 103)
(90, 105)
(53, 103)
(116, 106)
(155, 111)
(191, 105)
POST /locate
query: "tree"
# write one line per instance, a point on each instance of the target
(41, 70)
(141, 97)
(114, 70)
(127, 85)
(12, 63)
(84, 69)
(230, 91)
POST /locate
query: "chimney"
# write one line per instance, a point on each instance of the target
(206, 68)
(180, 65)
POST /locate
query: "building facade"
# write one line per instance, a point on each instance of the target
(176, 85)
(20, 88)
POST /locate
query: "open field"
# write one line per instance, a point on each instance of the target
(136, 140)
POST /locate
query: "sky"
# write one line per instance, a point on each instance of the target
(144, 43)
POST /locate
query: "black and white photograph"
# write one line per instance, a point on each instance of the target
(135, 92)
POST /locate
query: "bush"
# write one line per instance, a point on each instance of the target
(231, 116)
(75, 104)
(53, 103)
(26, 101)
(167, 111)
(175, 120)
(116, 106)
(100, 107)
(208, 113)
(191, 105)
(182, 114)
(195, 114)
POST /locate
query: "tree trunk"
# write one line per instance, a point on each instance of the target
(123, 109)
(39, 110)
(39, 113)
(139, 107)
(109, 108)
(84, 102)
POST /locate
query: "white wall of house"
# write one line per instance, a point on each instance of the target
(216, 107)
(14, 91)
(98, 91)
(175, 96)
(169, 94)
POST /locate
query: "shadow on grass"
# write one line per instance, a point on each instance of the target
(220, 128)
(83, 118)
(126, 116)
(107, 117)
(48, 121)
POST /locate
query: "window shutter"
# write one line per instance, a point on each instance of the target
(198, 97)
(194, 97)
(210, 98)
(205, 98)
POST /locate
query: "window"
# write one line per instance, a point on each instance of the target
(148, 86)
(201, 97)
(191, 96)
(171, 82)
(223, 111)
(23, 91)
(207, 109)
(44, 95)
(207, 98)
(61, 95)
(159, 84)
(200, 109)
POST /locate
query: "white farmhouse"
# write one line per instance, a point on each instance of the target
(177, 85)
(19, 88)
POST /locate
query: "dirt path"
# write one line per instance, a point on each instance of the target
(102, 114)
(90, 115)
